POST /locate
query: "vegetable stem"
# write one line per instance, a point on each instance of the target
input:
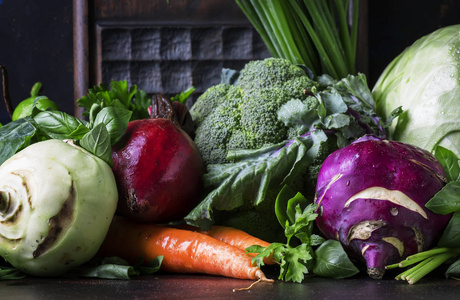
(311, 32)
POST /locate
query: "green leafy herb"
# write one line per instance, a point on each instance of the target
(108, 110)
(117, 268)
(449, 162)
(183, 96)
(447, 200)
(10, 273)
(297, 218)
(454, 270)
(297, 258)
(97, 142)
(118, 95)
(332, 261)
(58, 125)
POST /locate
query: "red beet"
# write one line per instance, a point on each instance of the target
(157, 167)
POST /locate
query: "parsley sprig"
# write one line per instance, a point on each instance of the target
(297, 256)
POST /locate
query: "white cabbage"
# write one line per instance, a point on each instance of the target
(425, 80)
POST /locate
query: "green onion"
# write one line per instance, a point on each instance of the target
(315, 33)
(427, 262)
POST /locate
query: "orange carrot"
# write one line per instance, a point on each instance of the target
(234, 237)
(238, 238)
(183, 251)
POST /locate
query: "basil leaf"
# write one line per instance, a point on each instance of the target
(447, 200)
(333, 262)
(451, 236)
(9, 273)
(449, 162)
(97, 142)
(15, 136)
(57, 124)
(115, 120)
(151, 267)
(453, 270)
(79, 132)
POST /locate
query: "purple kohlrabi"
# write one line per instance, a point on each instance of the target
(371, 197)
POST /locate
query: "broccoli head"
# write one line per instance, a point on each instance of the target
(209, 100)
(245, 115)
(268, 73)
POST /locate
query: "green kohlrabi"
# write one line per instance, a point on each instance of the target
(425, 81)
(56, 204)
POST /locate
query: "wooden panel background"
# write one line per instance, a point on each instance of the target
(37, 37)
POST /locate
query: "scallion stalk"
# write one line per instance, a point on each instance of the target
(321, 34)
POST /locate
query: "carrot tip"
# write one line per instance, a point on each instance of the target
(261, 279)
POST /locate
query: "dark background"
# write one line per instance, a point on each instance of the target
(36, 41)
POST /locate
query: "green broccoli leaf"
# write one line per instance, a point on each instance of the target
(252, 173)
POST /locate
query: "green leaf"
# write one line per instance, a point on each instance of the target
(447, 200)
(451, 236)
(299, 115)
(263, 252)
(118, 268)
(10, 273)
(293, 265)
(141, 103)
(58, 125)
(122, 93)
(151, 267)
(281, 203)
(333, 262)
(449, 162)
(97, 142)
(79, 132)
(183, 96)
(115, 120)
(15, 136)
(454, 270)
(253, 172)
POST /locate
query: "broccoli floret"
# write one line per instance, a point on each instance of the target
(268, 73)
(245, 115)
(208, 101)
(299, 87)
(259, 117)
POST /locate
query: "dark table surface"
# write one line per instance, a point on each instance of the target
(173, 286)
